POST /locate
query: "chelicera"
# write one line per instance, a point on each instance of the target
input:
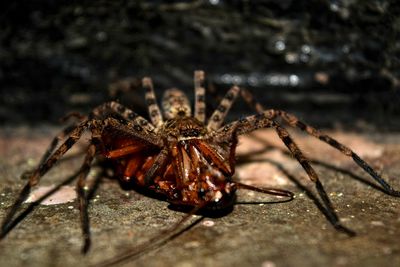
(185, 157)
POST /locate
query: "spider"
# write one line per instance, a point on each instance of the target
(185, 158)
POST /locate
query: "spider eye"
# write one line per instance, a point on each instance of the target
(190, 132)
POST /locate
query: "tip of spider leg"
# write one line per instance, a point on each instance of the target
(345, 230)
(86, 246)
(5, 228)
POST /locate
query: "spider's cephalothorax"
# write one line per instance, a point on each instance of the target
(186, 158)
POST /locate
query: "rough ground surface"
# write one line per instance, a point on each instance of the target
(281, 234)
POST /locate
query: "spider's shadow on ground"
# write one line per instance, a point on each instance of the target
(249, 158)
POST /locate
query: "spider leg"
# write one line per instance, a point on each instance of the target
(270, 191)
(131, 122)
(213, 156)
(67, 131)
(304, 162)
(74, 136)
(154, 109)
(295, 122)
(83, 194)
(217, 118)
(262, 120)
(240, 127)
(132, 167)
(113, 108)
(181, 164)
(200, 91)
(120, 152)
(158, 164)
(134, 129)
(232, 151)
(60, 136)
(266, 190)
(296, 152)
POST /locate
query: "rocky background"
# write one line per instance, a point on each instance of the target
(335, 63)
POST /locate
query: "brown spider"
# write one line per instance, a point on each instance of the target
(188, 160)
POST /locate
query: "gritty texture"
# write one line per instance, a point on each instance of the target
(256, 233)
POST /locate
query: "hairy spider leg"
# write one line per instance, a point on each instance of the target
(121, 87)
(39, 172)
(181, 164)
(83, 196)
(135, 125)
(304, 162)
(238, 128)
(111, 109)
(151, 101)
(239, 185)
(83, 192)
(262, 120)
(127, 150)
(200, 91)
(212, 156)
(195, 161)
(158, 164)
(217, 118)
(295, 122)
(54, 143)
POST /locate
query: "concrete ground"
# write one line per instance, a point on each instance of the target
(258, 232)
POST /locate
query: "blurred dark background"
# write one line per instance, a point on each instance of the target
(334, 63)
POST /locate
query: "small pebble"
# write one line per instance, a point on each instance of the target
(268, 264)
(208, 223)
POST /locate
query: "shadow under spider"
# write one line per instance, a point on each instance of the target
(152, 244)
(32, 205)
